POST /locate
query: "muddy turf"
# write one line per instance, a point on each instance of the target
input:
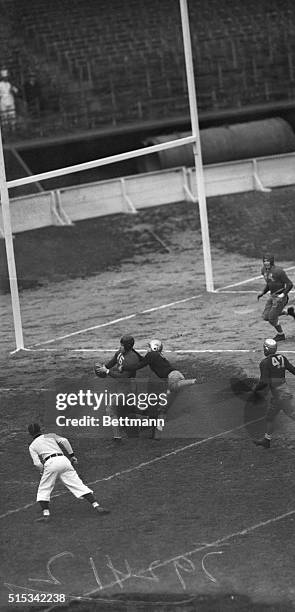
(201, 519)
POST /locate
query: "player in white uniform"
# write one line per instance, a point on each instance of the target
(48, 457)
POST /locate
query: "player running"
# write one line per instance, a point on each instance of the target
(279, 285)
(272, 378)
(47, 455)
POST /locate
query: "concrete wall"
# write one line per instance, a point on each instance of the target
(61, 207)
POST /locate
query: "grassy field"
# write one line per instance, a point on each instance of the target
(248, 224)
(201, 519)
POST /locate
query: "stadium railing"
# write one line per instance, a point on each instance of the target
(127, 194)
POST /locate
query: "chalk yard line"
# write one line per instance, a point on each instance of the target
(172, 560)
(119, 320)
(133, 315)
(244, 282)
(202, 547)
(21, 482)
(244, 311)
(180, 351)
(144, 464)
(242, 291)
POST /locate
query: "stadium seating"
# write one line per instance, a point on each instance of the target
(109, 63)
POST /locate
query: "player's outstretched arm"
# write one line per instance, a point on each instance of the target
(138, 365)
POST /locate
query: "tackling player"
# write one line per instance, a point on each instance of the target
(163, 369)
(121, 367)
(279, 285)
(272, 378)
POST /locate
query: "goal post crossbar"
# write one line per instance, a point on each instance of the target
(103, 161)
(194, 139)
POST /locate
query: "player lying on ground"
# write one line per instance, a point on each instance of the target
(163, 369)
(122, 369)
(279, 285)
(48, 457)
(272, 378)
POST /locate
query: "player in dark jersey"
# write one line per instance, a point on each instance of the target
(122, 368)
(272, 378)
(164, 370)
(279, 285)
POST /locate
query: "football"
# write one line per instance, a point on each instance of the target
(99, 371)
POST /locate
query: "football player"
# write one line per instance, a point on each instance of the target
(278, 285)
(163, 369)
(272, 378)
(122, 368)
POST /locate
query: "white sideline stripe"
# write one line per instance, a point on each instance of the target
(192, 297)
(82, 350)
(249, 280)
(143, 464)
(87, 329)
(114, 321)
(243, 291)
(127, 317)
(200, 548)
(22, 389)
(160, 564)
(180, 351)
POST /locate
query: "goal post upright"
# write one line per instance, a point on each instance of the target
(18, 330)
(194, 139)
(196, 145)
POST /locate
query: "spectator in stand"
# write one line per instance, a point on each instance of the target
(33, 95)
(7, 100)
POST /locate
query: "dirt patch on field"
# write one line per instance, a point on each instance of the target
(99, 280)
(248, 223)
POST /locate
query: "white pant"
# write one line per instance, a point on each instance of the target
(60, 467)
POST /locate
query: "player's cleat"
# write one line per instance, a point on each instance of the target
(43, 519)
(159, 427)
(117, 440)
(279, 337)
(264, 442)
(101, 510)
(291, 311)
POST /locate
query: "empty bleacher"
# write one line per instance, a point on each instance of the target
(113, 62)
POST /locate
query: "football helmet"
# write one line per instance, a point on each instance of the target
(269, 346)
(127, 341)
(156, 345)
(268, 260)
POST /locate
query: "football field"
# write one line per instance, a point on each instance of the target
(201, 519)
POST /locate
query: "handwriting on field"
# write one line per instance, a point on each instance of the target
(182, 566)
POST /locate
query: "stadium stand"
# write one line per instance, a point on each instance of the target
(112, 63)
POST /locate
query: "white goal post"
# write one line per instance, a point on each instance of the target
(194, 139)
